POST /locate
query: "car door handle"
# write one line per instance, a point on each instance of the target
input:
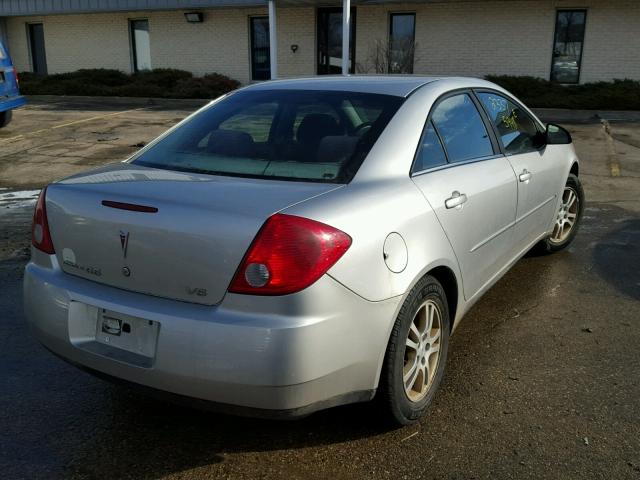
(525, 176)
(456, 200)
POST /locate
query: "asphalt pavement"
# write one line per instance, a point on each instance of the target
(542, 378)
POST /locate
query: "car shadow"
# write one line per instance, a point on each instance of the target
(132, 435)
(616, 257)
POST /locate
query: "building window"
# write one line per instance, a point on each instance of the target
(260, 58)
(38, 54)
(140, 45)
(402, 31)
(329, 40)
(567, 46)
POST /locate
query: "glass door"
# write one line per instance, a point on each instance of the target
(330, 41)
(567, 46)
(260, 55)
(141, 45)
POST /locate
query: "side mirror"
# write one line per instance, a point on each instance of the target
(556, 135)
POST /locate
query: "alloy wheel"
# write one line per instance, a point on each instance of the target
(422, 351)
(566, 217)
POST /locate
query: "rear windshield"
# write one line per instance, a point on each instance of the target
(318, 136)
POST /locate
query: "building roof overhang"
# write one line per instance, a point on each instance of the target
(12, 8)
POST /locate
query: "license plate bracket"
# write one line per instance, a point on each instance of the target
(126, 332)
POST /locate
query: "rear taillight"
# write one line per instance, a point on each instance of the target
(289, 254)
(40, 235)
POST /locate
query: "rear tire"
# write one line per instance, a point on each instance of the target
(416, 354)
(5, 118)
(567, 219)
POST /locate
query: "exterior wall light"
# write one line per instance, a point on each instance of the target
(294, 48)
(193, 17)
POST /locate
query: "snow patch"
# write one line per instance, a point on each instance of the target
(18, 198)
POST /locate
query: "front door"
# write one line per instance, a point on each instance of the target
(539, 172)
(330, 41)
(36, 44)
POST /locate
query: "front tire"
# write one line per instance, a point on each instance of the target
(567, 219)
(416, 354)
(5, 118)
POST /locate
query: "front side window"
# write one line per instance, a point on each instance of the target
(255, 121)
(461, 129)
(567, 46)
(314, 113)
(516, 129)
(320, 136)
(140, 45)
(402, 31)
(260, 55)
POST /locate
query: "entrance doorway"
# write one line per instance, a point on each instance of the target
(329, 36)
(36, 46)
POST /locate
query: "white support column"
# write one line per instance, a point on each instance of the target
(346, 21)
(273, 40)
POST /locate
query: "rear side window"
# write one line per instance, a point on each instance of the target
(308, 135)
(461, 129)
(431, 154)
(516, 129)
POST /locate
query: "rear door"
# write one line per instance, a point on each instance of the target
(538, 172)
(8, 78)
(5, 64)
(470, 186)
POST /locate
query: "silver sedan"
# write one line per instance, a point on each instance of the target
(300, 244)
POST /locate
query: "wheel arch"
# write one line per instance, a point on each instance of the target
(575, 168)
(449, 282)
(445, 273)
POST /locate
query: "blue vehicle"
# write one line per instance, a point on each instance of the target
(10, 97)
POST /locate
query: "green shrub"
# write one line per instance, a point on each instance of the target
(140, 90)
(161, 82)
(162, 77)
(210, 86)
(100, 76)
(540, 93)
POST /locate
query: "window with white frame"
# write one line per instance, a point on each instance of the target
(140, 45)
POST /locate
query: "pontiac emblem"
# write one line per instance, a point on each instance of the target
(124, 242)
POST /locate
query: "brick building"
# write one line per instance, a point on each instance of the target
(565, 40)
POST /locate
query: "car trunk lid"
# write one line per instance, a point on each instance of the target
(164, 233)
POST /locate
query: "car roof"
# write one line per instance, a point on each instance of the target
(396, 85)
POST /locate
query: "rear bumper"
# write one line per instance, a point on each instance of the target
(11, 103)
(265, 356)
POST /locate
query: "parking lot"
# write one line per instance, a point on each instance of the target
(542, 378)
